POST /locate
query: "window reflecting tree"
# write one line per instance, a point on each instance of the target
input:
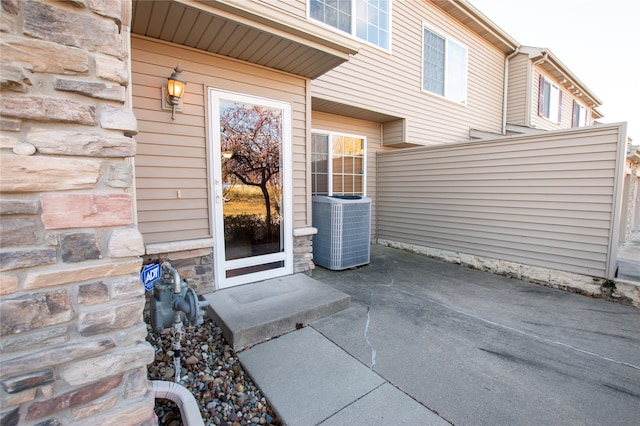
(250, 135)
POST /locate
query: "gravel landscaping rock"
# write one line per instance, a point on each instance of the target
(209, 368)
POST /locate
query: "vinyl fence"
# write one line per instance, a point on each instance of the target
(550, 200)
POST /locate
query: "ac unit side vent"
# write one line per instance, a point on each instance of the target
(344, 231)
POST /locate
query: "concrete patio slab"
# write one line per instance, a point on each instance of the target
(309, 380)
(385, 405)
(478, 348)
(256, 312)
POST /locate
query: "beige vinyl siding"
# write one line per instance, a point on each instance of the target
(518, 93)
(391, 83)
(172, 174)
(545, 200)
(393, 132)
(368, 129)
(293, 7)
(566, 117)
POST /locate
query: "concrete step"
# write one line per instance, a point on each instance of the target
(252, 313)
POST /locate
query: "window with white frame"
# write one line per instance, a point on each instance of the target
(580, 115)
(549, 100)
(369, 20)
(444, 67)
(337, 164)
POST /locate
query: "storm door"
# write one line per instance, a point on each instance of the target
(251, 176)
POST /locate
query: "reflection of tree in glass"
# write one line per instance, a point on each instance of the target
(345, 145)
(252, 133)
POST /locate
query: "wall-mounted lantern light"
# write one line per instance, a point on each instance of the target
(175, 89)
(227, 154)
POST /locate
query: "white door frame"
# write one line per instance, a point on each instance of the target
(221, 265)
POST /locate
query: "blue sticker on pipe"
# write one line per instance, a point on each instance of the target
(149, 275)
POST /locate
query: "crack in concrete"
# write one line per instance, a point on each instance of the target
(366, 331)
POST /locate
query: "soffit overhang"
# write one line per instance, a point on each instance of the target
(476, 21)
(344, 110)
(549, 62)
(249, 31)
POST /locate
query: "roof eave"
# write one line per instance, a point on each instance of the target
(479, 23)
(293, 44)
(571, 83)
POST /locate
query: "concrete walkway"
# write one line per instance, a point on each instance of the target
(427, 342)
(309, 380)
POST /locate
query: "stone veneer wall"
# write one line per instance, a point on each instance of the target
(72, 339)
(303, 249)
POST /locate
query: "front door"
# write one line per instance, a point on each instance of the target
(251, 140)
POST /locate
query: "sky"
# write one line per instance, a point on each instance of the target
(598, 40)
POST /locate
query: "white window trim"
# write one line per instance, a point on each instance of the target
(426, 26)
(587, 114)
(555, 119)
(330, 155)
(352, 34)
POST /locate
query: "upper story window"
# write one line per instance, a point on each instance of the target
(580, 115)
(444, 67)
(549, 100)
(369, 20)
(337, 164)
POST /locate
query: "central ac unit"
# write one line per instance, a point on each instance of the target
(344, 231)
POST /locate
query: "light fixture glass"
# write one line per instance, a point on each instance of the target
(175, 89)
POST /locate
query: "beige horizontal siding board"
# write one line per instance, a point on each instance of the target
(364, 80)
(167, 160)
(469, 242)
(162, 139)
(170, 236)
(466, 198)
(184, 172)
(517, 90)
(516, 225)
(182, 156)
(547, 199)
(160, 202)
(155, 195)
(172, 157)
(160, 127)
(595, 220)
(190, 213)
(467, 205)
(393, 132)
(575, 265)
(531, 244)
(185, 225)
(177, 183)
(294, 7)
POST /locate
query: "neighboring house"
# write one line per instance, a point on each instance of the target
(97, 176)
(544, 94)
(630, 215)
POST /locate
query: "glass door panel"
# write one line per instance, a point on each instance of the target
(251, 178)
